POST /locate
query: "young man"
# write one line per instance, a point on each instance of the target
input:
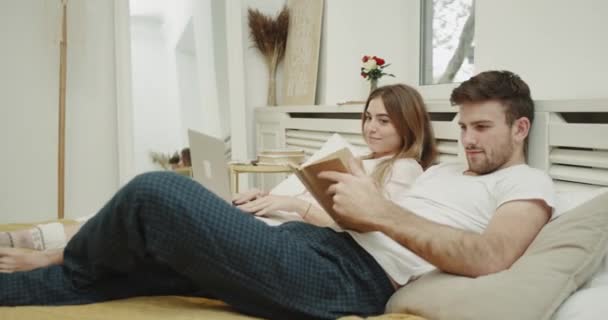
(163, 234)
(469, 220)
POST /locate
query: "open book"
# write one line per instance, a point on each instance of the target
(307, 173)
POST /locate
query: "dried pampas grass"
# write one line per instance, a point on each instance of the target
(270, 37)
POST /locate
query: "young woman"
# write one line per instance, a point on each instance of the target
(395, 126)
(397, 130)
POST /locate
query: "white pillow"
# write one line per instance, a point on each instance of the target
(567, 200)
(292, 185)
(600, 278)
(585, 304)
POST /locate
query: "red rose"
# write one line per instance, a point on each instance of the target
(363, 74)
(365, 58)
(379, 61)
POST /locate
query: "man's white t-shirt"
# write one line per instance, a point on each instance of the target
(444, 194)
(402, 174)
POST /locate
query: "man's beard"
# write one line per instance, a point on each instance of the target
(490, 162)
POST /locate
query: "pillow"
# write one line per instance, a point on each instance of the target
(588, 303)
(585, 304)
(600, 278)
(292, 185)
(562, 257)
(568, 200)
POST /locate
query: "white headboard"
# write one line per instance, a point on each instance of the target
(569, 138)
(570, 141)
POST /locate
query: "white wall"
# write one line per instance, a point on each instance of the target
(352, 29)
(92, 158)
(196, 38)
(220, 54)
(207, 68)
(178, 32)
(29, 94)
(177, 14)
(559, 47)
(29, 33)
(156, 118)
(190, 100)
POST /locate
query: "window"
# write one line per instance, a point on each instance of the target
(447, 41)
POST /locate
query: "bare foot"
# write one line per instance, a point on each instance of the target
(12, 260)
(20, 239)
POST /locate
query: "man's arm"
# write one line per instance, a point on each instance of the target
(508, 235)
(359, 206)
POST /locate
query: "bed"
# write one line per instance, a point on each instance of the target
(566, 141)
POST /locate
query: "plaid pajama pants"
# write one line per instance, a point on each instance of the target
(163, 234)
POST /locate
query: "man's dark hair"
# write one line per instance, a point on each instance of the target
(502, 86)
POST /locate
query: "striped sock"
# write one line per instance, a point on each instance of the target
(48, 236)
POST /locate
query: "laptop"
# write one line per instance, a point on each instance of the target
(209, 164)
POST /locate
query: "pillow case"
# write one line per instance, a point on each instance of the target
(600, 278)
(568, 200)
(563, 257)
(585, 304)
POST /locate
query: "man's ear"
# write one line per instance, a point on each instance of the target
(521, 129)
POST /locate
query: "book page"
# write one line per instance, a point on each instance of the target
(343, 154)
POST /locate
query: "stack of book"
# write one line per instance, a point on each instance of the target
(281, 157)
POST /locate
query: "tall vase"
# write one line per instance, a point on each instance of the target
(373, 84)
(272, 80)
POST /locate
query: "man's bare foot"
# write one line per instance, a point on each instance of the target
(19, 239)
(12, 260)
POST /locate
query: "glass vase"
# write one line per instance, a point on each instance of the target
(373, 84)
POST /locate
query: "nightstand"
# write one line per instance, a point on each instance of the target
(238, 168)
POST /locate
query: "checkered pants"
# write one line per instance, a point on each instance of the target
(163, 234)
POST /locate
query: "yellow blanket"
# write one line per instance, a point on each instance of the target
(149, 308)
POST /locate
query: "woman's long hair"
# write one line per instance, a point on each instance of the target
(407, 111)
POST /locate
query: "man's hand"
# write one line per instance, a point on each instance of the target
(358, 202)
(247, 196)
(271, 203)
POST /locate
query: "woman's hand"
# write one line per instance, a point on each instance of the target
(271, 203)
(247, 196)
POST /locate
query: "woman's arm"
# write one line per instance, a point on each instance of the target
(313, 214)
